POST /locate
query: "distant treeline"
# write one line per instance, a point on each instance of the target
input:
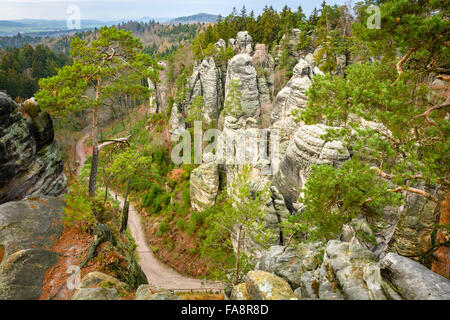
(21, 69)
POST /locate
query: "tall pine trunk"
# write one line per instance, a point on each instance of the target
(238, 256)
(95, 151)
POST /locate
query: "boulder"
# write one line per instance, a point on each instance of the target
(96, 294)
(412, 280)
(239, 292)
(28, 231)
(30, 160)
(243, 43)
(204, 185)
(347, 262)
(266, 286)
(149, 292)
(101, 280)
(290, 263)
(221, 44)
(306, 148)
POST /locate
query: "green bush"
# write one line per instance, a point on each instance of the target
(181, 224)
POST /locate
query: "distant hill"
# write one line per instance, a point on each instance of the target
(41, 27)
(200, 17)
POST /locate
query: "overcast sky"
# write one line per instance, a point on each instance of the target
(127, 9)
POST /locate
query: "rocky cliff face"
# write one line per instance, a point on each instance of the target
(306, 148)
(241, 69)
(206, 81)
(28, 231)
(30, 159)
(350, 269)
(347, 271)
(292, 98)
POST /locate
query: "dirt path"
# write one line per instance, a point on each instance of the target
(157, 273)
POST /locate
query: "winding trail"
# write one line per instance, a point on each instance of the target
(158, 274)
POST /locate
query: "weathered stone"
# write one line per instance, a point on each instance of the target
(413, 233)
(176, 121)
(221, 44)
(30, 160)
(100, 280)
(266, 286)
(204, 186)
(291, 98)
(305, 149)
(149, 292)
(239, 292)
(412, 280)
(240, 68)
(347, 261)
(164, 296)
(28, 230)
(290, 263)
(243, 43)
(206, 81)
(96, 294)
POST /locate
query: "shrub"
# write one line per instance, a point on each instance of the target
(181, 224)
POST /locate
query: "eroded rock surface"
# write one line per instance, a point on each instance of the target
(30, 160)
(306, 148)
(28, 231)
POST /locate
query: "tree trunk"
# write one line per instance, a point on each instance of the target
(95, 151)
(238, 256)
(126, 208)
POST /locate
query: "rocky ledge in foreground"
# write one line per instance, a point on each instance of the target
(28, 230)
(30, 159)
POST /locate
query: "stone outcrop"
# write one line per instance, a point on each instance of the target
(352, 272)
(412, 281)
(413, 233)
(206, 81)
(243, 43)
(262, 285)
(306, 148)
(96, 294)
(176, 121)
(239, 292)
(28, 231)
(240, 69)
(292, 98)
(290, 263)
(204, 185)
(148, 292)
(30, 160)
(265, 66)
(99, 280)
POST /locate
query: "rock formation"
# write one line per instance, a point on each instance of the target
(292, 98)
(206, 81)
(28, 230)
(348, 271)
(204, 185)
(306, 148)
(243, 43)
(240, 69)
(264, 65)
(30, 159)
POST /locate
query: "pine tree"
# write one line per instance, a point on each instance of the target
(109, 65)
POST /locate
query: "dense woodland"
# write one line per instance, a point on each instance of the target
(395, 76)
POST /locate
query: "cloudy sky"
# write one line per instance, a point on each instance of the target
(126, 9)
